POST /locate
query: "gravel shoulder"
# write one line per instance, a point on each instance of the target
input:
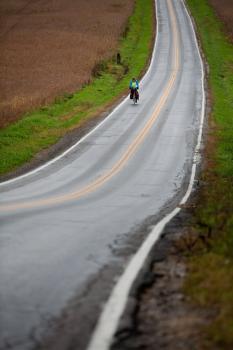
(68, 140)
(162, 315)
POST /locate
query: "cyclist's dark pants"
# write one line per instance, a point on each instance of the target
(132, 92)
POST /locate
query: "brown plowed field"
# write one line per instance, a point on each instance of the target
(49, 47)
(224, 9)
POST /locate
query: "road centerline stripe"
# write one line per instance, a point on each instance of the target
(114, 307)
(94, 185)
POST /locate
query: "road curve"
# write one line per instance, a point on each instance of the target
(59, 225)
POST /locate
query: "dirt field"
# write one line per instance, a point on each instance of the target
(49, 47)
(224, 9)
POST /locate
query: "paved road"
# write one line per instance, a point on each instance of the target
(62, 225)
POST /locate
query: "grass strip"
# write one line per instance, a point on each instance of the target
(210, 279)
(38, 130)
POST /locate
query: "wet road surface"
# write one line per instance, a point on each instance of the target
(58, 225)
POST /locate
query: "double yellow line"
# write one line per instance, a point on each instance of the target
(132, 147)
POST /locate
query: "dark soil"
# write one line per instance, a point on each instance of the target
(49, 48)
(224, 10)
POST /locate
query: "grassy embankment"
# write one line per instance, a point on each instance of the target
(210, 278)
(38, 130)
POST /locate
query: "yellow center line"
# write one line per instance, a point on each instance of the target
(131, 149)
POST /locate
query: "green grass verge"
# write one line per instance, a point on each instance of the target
(40, 129)
(210, 278)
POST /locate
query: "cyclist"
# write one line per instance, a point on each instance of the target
(134, 86)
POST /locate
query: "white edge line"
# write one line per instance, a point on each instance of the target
(32, 172)
(112, 312)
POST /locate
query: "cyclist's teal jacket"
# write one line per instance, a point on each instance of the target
(131, 84)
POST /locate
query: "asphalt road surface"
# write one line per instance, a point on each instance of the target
(66, 224)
